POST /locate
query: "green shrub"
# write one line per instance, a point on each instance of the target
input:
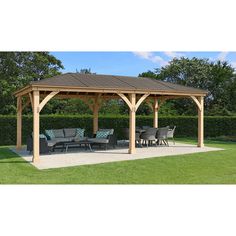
(186, 125)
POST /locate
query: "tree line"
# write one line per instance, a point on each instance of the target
(18, 69)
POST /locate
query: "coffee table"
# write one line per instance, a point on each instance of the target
(67, 144)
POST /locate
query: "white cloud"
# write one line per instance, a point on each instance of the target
(222, 56)
(151, 57)
(174, 54)
(233, 63)
(145, 55)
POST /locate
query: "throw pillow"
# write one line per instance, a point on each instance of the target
(111, 131)
(42, 136)
(80, 133)
(102, 134)
(49, 133)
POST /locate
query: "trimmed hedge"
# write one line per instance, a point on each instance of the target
(186, 126)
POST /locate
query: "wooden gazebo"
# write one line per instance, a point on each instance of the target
(94, 89)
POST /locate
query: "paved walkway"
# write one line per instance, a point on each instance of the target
(80, 157)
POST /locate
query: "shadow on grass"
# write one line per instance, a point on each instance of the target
(15, 162)
(6, 153)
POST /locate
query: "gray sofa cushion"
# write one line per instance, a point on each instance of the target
(51, 143)
(62, 139)
(58, 133)
(99, 140)
(69, 133)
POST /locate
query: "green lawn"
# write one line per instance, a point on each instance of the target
(218, 167)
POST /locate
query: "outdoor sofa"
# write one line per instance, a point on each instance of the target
(105, 138)
(55, 137)
(51, 138)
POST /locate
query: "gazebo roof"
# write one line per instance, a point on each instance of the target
(109, 84)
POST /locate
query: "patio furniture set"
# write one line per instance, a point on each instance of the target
(64, 139)
(148, 136)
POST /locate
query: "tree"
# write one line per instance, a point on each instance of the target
(84, 71)
(17, 69)
(215, 77)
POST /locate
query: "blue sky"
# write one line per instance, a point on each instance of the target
(130, 63)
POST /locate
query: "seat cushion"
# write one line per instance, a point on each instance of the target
(51, 143)
(58, 133)
(69, 132)
(98, 140)
(77, 138)
(57, 140)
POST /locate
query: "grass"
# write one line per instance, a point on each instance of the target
(218, 167)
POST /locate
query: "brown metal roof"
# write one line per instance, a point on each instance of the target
(109, 84)
(113, 82)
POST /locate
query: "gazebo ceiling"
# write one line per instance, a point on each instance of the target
(76, 82)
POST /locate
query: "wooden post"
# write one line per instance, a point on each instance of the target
(132, 113)
(96, 107)
(95, 118)
(36, 126)
(19, 123)
(155, 113)
(201, 122)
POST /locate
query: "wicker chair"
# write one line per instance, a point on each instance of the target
(171, 133)
(149, 136)
(137, 136)
(44, 148)
(162, 136)
(146, 127)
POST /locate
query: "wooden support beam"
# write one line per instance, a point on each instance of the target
(201, 122)
(132, 114)
(95, 118)
(31, 100)
(26, 104)
(36, 96)
(19, 123)
(197, 102)
(127, 101)
(140, 101)
(149, 103)
(46, 99)
(87, 102)
(96, 107)
(155, 113)
(161, 102)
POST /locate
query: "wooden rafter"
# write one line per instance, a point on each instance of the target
(31, 100)
(197, 102)
(126, 100)
(46, 99)
(141, 100)
(26, 104)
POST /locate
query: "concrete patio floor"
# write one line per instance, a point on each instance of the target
(77, 157)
